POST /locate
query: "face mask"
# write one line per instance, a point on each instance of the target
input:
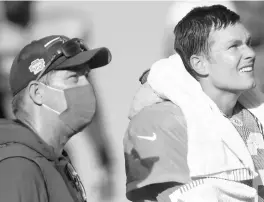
(75, 106)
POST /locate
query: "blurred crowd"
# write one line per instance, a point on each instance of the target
(21, 22)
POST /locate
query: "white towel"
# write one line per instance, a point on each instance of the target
(169, 78)
(214, 145)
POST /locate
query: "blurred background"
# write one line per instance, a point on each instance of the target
(138, 34)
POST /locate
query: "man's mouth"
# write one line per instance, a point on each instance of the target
(246, 69)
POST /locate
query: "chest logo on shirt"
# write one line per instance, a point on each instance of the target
(151, 138)
(236, 121)
(254, 142)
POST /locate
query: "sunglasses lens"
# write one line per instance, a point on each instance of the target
(84, 48)
(73, 47)
(82, 45)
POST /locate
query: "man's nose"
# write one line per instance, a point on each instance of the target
(249, 53)
(83, 80)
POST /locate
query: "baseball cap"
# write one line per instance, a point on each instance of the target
(56, 52)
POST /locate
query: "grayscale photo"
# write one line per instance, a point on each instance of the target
(132, 101)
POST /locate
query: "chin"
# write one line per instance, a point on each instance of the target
(242, 86)
(73, 134)
(248, 86)
(251, 84)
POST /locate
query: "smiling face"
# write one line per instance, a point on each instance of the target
(231, 59)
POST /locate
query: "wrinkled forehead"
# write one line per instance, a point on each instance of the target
(224, 36)
(83, 68)
(65, 73)
(80, 68)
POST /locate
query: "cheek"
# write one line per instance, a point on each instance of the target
(58, 83)
(224, 69)
(228, 61)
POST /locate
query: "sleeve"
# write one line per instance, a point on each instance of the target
(21, 181)
(155, 147)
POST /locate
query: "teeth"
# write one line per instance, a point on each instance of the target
(246, 69)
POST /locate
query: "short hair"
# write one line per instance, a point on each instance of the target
(192, 32)
(18, 101)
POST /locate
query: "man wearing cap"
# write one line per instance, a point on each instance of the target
(52, 101)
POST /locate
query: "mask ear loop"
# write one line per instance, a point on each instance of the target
(54, 89)
(50, 87)
(46, 106)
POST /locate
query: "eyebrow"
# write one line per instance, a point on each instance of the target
(68, 74)
(74, 71)
(239, 41)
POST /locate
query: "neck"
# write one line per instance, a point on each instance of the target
(54, 136)
(225, 101)
(49, 132)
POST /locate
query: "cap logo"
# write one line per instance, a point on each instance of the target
(37, 66)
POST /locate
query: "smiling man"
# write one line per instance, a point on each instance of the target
(164, 150)
(52, 101)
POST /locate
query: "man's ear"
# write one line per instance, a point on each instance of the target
(35, 91)
(198, 64)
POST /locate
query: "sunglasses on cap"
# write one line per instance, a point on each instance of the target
(68, 49)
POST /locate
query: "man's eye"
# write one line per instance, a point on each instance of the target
(233, 46)
(74, 77)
